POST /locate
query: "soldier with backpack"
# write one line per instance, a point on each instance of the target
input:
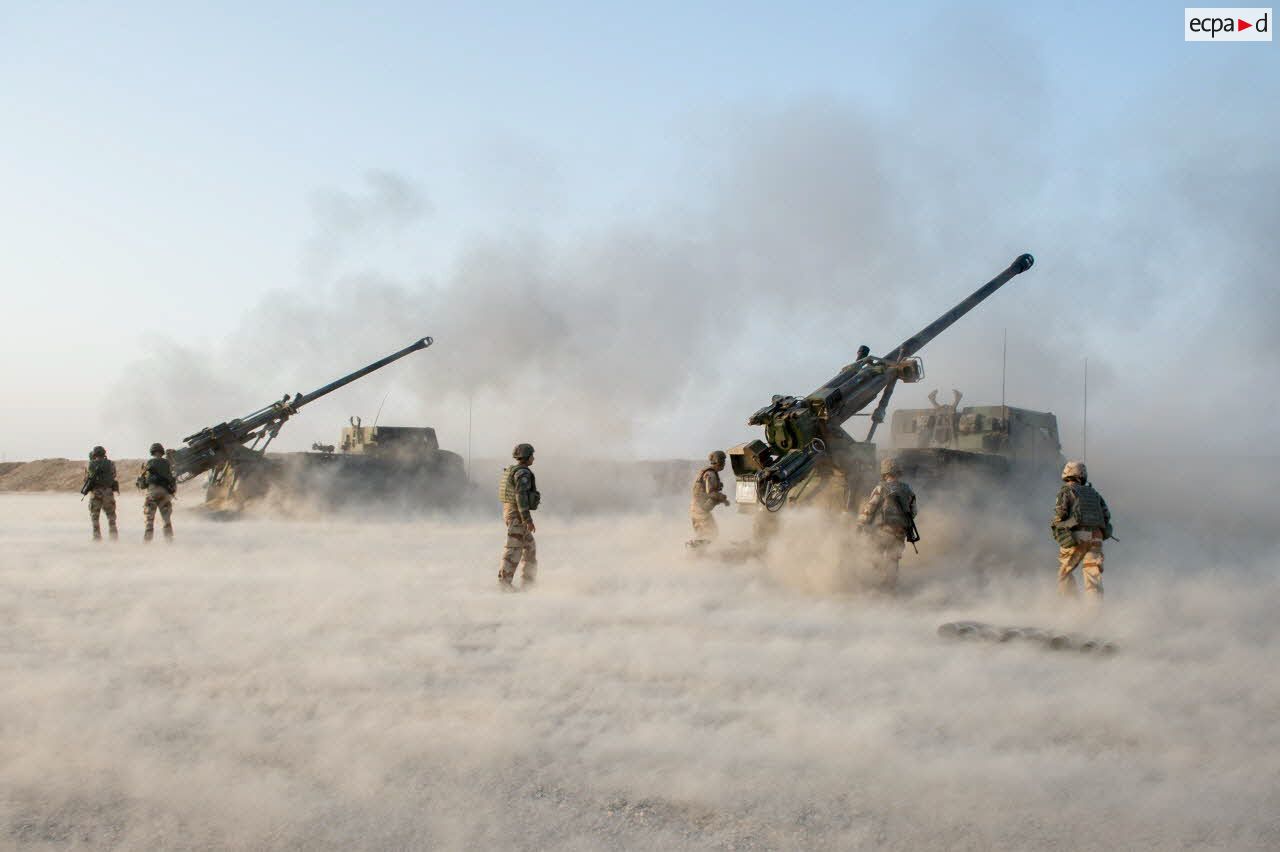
(1081, 522)
(101, 486)
(888, 516)
(518, 491)
(160, 485)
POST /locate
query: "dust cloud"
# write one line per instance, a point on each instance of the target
(359, 683)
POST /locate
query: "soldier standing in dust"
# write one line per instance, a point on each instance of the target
(887, 514)
(707, 493)
(1081, 521)
(518, 491)
(158, 481)
(101, 485)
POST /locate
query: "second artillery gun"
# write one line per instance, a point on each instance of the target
(233, 453)
(807, 456)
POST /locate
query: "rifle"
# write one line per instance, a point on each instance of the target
(913, 534)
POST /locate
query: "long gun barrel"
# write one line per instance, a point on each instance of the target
(215, 445)
(855, 387)
(300, 400)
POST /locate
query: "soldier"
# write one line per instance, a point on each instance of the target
(518, 491)
(707, 493)
(158, 481)
(887, 515)
(101, 485)
(1081, 521)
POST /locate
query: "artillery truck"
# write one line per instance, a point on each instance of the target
(401, 463)
(806, 456)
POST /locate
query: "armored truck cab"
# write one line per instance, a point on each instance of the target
(387, 440)
(1002, 444)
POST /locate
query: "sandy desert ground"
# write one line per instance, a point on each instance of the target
(361, 684)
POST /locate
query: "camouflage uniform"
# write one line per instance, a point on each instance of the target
(518, 491)
(101, 486)
(160, 485)
(707, 493)
(887, 514)
(1081, 521)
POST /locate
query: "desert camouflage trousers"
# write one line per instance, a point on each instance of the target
(704, 525)
(1087, 551)
(102, 500)
(520, 547)
(887, 546)
(157, 498)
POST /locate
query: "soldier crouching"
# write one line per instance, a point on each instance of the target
(158, 482)
(101, 486)
(887, 514)
(1081, 522)
(518, 491)
(707, 493)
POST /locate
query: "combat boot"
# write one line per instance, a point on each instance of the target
(168, 533)
(505, 585)
(97, 535)
(114, 533)
(147, 535)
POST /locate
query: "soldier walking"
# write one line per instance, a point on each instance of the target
(101, 486)
(158, 482)
(518, 491)
(707, 493)
(1081, 522)
(887, 515)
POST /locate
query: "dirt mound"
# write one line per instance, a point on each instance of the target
(57, 474)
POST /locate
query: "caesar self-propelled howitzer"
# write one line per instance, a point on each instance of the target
(806, 455)
(234, 455)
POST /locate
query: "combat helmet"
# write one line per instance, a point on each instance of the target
(98, 452)
(157, 449)
(890, 467)
(716, 456)
(522, 451)
(1075, 470)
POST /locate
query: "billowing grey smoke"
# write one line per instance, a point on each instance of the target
(803, 231)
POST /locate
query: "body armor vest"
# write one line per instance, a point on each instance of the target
(894, 506)
(101, 473)
(699, 489)
(509, 493)
(1087, 508)
(158, 472)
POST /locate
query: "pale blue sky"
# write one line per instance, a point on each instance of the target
(162, 164)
